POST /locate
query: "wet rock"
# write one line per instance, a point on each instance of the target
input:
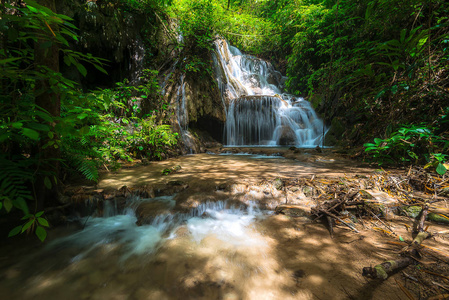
(411, 211)
(147, 211)
(221, 187)
(287, 136)
(96, 278)
(293, 210)
(439, 218)
(170, 188)
(145, 191)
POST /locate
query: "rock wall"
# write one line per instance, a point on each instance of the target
(131, 41)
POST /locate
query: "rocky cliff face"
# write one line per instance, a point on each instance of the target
(132, 41)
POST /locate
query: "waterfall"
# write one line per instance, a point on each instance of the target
(258, 113)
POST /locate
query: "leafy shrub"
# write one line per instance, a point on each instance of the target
(411, 144)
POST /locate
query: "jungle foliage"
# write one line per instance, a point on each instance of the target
(88, 131)
(368, 60)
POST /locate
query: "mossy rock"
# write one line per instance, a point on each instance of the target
(439, 218)
(278, 184)
(171, 170)
(411, 211)
(292, 210)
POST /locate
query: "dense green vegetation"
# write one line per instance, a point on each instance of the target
(376, 68)
(359, 62)
(48, 122)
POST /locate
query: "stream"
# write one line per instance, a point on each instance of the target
(208, 230)
(216, 237)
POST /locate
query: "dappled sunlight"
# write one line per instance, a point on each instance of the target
(220, 168)
(218, 239)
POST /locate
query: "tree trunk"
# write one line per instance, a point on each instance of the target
(49, 100)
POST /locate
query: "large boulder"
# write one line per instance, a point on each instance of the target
(287, 136)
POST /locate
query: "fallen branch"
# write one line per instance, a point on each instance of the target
(419, 225)
(385, 269)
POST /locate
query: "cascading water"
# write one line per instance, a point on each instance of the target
(258, 112)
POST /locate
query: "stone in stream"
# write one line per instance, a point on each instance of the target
(293, 210)
(147, 211)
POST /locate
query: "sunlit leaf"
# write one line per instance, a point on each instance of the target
(441, 169)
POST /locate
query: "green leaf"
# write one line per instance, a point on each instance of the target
(441, 169)
(27, 225)
(47, 183)
(100, 69)
(43, 222)
(37, 215)
(21, 204)
(8, 204)
(394, 89)
(81, 69)
(32, 9)
(5, 61)
(15, 231)
(82, 116)
(32, 134)
(17, 125)
(401, 238)
(44, 116)
(41, 233)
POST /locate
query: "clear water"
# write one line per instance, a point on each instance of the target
(228, 223)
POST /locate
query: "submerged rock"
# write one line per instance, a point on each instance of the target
(147, 211)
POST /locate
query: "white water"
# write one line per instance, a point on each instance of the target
(229, 224)
(258, 112)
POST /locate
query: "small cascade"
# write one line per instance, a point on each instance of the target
(229, 223)
(183, 116)
(258, 112)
